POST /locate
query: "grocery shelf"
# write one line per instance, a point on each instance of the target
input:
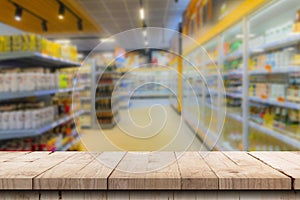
(69, 144)
(107, 97)
(234, 95)
(285, 139)
(106, 84)
(32, 59)
(18, 95)
(280, 70)
(9, 134)
(290, 40)
(233, 73)
(276, 103)
(235, 117)
(234, 55)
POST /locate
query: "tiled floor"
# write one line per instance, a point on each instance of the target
(162, 129)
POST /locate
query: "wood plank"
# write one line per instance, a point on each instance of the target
(10, 155)
(195, 173)
(60, 176)
(285, 162)
(233, 173)
(266, 195)
(50, 195)
(150, 195)
(118, 195)
(95, 174)
(19, 174)
(84, 195)
(19, 195)
(151, 170)
(30, 157)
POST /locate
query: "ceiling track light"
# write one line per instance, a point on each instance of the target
(79, 25)
(18, 14)
(61, 11)
(19, 11)
(44, 26)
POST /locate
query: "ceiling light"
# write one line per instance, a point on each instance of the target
(63, 41)
(18, 14)
(107, 40)
(142, 14)
(79, 24)
(61, 11)
(44, 26)
(240, 36)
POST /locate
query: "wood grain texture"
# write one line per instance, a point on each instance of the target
(195, 173)
(285, 162)
(238, 170)
(5, 156)
(19, 195)
(95, 174)
(16, 174)
(30, 157)
(162, 171)
(60, 176)
(150, 195)
(84, 195)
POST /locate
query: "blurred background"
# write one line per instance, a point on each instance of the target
(230, 81)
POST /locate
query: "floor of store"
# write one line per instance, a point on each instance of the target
(144, 129)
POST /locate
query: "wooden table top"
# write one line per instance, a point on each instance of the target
(190, 171)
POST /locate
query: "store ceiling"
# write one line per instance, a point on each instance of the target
(48, 10)
(115, 16)
(101, 18)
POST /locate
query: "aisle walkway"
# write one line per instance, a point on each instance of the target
(148, 132)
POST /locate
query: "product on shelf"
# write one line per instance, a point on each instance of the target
(52, 140)
(35, 43)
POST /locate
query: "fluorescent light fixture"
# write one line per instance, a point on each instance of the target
(258, 50)
(63, 41)
(142, 14)
(107, 40)
(18, 14)
(240, 36)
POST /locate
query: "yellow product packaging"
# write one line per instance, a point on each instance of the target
(74, 54)
(63, 81)
(16, 43)
(1, 44)
(7, 43)
(44, 46)
(36, 43)
(56, 50)
(25, 42)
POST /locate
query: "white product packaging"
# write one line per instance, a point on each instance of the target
(1, 121)
(28, 119)
(1, 82)
(14, 86)
(7, 82)
(36, 118)
(5, 120)
(12, 124)
(19, 119)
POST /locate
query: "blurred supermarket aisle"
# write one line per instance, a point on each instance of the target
(170, 136)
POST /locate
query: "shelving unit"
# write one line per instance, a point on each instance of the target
(31, 59)
(255, 40)
(106, 104)
(9, 134)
